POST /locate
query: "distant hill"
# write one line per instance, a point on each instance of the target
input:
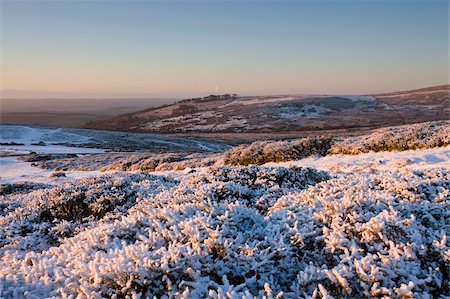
(285, 113)
(68, 112)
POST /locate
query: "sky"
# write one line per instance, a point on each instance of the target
(195, 48)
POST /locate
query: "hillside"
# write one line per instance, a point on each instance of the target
(285, 113)
(367, 218)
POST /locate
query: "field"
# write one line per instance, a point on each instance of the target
(60, 112)
(320, 217)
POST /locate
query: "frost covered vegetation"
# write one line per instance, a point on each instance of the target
(231, 232)
(261, 152)
(377, 229)
(147, 162)
(410, 137)
(418, 136)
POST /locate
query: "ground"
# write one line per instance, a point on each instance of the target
(369, 224)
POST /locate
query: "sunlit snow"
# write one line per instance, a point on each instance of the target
(372, 224)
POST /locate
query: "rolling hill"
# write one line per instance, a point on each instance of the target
(285, 113)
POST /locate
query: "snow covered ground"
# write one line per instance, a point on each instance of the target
(27, 138)
(206, 121)
(361, 98)
(372, 225)
(13, 171)
(383, 161)
(20, 140)
(82, 141)
(307, 110)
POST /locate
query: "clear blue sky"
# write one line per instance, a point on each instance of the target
(190, 48)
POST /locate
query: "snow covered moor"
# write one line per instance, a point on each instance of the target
(348, 217)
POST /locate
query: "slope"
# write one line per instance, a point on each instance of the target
(291, 113)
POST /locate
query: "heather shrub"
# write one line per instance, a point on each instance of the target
(261, 152)
(35, 216)
(190, 161)
(21, 187)
(143, 162)
(401, 138)
(242, 232)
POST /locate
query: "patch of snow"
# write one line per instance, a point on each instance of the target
(13, 171)
(232, 122)
(388, 161)
(387, 107)
(52, 149)
(199, 118)
(265, 100)
(370, 99)
(307, 110)
(28, 136)
(198, 122)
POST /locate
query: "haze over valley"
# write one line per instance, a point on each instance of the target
(60, 112)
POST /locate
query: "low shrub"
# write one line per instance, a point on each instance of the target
(401, 138)
(261, 152)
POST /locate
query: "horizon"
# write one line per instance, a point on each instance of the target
(116, 98)
(176, 50)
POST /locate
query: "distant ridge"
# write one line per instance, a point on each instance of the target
(289, 113)
(445, 87)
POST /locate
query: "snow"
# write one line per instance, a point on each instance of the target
(29, 135)
(412, 159)
(374, 224)
(265, 100)
(281, 99)
(192, 121)
(232, 122)
(307, 110)
(360, 98)
(13, 171)
(205, 121)
(52, 149)
(94, 141)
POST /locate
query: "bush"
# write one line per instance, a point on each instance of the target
(241, 232)
(261, 152)
(35, 216)
(408, 137)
